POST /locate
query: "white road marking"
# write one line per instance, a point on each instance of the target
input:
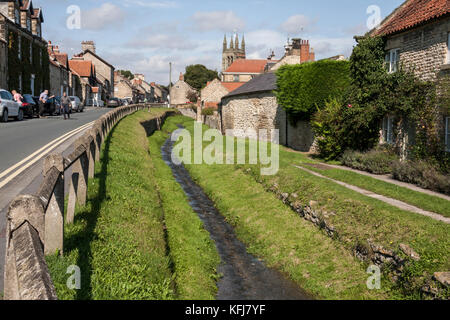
(39, 154)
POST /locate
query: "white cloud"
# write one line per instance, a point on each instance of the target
(163, 42)
(151, 4)
(107, 15)
(225, 21)
(296, 24)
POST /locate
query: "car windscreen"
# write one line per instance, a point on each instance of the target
(28, 98)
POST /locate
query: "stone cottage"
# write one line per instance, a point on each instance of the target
(180, 91)
(418, 37)
(215, 90)
(104, 71)
(59, 71)
(254, 106)
(20, 31)
(86, 73)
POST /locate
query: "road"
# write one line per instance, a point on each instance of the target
(23, 146)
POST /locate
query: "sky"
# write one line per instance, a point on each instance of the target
(145, 35)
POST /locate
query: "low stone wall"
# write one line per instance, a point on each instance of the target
(35, 225)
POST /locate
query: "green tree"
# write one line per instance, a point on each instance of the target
(127, 74)
(197, 76)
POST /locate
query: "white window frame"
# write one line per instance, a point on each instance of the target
(19, 47)
(236, 76)
(388, 129)
(448, 48)
(393, 60)
(447, 134)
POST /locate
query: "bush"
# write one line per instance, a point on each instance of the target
(304, 88)
(422, 174)
(208, 111)
(377, 161)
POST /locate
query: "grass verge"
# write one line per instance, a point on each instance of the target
(121, 239)
(240, 193)
(415, 198)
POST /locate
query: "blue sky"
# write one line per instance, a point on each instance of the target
(145, 35)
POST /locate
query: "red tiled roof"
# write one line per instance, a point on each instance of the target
(211, 105)
(412, 13)
(82, 67)
(94, 89)
(62, 58)
(231, 86)
(247, 65)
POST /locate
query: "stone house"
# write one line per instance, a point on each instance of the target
(244, 70)
(23, 63)
(179, 92)
(146, 91)
(59, 71)
(104, 71)
(417, 37)
(85, 71)
(298, 51)
(215, 90)
(123, 88)
(159, 93)
(254, 106)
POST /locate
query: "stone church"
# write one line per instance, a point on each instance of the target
(233, 52)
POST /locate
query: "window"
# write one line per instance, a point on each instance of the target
(38, 29)
(388, 129)
(28, 24)
(448, 48)
(236, 78)
(447, 134)
(393, 60)
(20, 82)
(31, 53)
(32, 84)
(19, 47)
(17, 16)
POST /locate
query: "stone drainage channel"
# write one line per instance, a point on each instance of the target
(244, 276)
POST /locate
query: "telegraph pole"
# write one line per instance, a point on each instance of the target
(170, 82)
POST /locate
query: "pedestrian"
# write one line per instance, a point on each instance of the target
(17, 97)
(65, 105)
(43, 98)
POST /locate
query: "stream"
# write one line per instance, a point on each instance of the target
(244, 276)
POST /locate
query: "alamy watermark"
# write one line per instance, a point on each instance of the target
(374, 281)
(228, 149)
(374, 19)
(73, 22)
(74, 281)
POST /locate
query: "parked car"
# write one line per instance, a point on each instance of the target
(77, 106)
(30, 106)
(113, 103)
(125, 102)
(52, 107)
(8, 107)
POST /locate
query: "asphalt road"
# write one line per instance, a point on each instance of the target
(20, 141)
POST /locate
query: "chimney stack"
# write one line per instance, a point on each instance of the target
(88, 45)
(181, 76)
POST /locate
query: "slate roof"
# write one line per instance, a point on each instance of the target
(413, 13)
(261, 83)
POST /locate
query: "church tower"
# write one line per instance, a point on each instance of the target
(233, 53)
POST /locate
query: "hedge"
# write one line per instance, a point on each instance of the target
(304, 88)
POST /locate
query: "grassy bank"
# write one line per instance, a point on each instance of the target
(192, 251)
(415, 198)
(122, 240)
(273, 232)
(286, 241)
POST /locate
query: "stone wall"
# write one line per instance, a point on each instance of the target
(424, 48)
(261, 111)
(3, 63)
(187, 111)
(103, 69)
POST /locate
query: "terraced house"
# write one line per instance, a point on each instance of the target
(418, 37)
(24, 64)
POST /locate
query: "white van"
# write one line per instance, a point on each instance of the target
(8, 107)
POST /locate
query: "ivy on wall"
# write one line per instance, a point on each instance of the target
(35, 62)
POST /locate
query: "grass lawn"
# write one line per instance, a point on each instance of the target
(240, 193)
(415, 198)
(128, 240)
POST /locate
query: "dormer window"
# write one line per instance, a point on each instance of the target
(17, 16)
